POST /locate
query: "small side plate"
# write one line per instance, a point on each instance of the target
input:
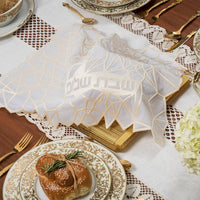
(23, 16)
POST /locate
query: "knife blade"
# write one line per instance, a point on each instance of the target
(182, 41)
(153, 19)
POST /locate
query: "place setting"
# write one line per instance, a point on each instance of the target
(95, 172)
(102, 175)
(71, 72)
(100, 98)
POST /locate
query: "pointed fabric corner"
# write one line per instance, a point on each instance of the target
(82, 76)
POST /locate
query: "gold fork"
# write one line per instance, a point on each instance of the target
(42, 140)
(21, 145)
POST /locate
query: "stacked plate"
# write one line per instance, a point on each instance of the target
(22, 17)
(110, 7)
(109, 178)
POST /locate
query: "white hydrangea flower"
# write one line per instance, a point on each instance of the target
(188, 139)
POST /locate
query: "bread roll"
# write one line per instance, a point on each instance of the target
(67, 183)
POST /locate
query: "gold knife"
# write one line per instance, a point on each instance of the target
(183, 40)
(145, 13)
(153, 19)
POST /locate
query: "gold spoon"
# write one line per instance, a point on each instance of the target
(84, 19)
(177, 34)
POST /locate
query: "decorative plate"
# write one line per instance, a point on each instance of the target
(30, 187)
(196, 44)
(11, 187)
(109, 3)
(21, 18)
(112, 10)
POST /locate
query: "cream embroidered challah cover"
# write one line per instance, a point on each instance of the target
(82, 76)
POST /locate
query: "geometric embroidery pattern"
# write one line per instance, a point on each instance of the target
(100, 77)
(35, 32)
(28, 35)
(173, 116)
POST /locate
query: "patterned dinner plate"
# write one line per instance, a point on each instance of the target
(196, 44)
(30, 187)
(22, 17)
(109, 3)
(110, 10)
(14, 187)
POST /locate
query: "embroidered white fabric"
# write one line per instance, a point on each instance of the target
(82, 76)
(155, 34)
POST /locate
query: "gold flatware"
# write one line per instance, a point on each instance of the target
(182, 41)
(177, 34)
(42, 140)
(196, 84)
(196, 80)
(145, 13)
(156, 17)
(126, 164)
(85, 20)
(21, 145)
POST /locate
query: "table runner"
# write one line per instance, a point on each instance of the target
(46, 26)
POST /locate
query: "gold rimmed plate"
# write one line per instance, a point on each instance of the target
(20, 20)
(16, 184)
(196, 44)
(109, 3)
(110, 10)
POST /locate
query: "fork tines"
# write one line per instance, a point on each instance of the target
(42, 140)
(24, 141)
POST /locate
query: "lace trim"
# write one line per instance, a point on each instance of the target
(156, 36)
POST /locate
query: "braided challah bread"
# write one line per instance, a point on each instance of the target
(63, 179)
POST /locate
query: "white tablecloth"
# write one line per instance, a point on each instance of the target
(158, 167)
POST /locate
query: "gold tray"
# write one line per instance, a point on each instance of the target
(114, 137)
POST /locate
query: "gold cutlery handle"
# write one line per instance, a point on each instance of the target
(192, 33)
(168, 7)
(126, 164)
(6, 155)
(189, 20)
(73, 9)
(5, 169)
(196, 77)
(154, 6)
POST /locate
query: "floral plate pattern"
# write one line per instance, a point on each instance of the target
(11, 188)
(112, 10)
(109, 3)
(196, 44)
(100, 173)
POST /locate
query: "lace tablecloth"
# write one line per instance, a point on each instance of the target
(46, 25)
